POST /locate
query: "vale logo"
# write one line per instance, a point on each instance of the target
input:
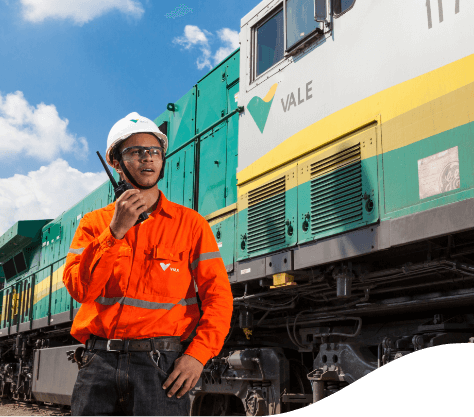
(181, 10)
(259, 108)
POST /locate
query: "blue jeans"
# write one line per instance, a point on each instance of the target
(113, 383)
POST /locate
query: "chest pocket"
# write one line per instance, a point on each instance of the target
(167, 272)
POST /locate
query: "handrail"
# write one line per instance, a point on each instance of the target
(239, 109)
(29, 276)
(8, 306)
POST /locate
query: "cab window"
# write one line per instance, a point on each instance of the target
(341, 6)
(299, 20)
(269, 43)
(9, 269)
(289, 28)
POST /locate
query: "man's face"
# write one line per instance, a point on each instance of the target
(146, 170)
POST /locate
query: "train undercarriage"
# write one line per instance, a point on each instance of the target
(297, 343)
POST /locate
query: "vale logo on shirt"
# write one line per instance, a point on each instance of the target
(166, 266)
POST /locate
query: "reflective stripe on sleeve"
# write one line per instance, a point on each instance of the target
(76, 251)
(205, 257)
(150, 305)
(188, 301)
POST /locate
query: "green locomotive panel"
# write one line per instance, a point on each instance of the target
(224, 232)
(178, 183)
(201, 161)
(408, 189)
(179, 124)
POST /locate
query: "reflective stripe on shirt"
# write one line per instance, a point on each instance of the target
(133, 302)
(76, 251)
(205, 257)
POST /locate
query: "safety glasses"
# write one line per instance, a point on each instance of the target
(139, 152)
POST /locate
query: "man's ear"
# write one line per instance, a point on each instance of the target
(117, 167)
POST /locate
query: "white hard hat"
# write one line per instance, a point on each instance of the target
(126, 127)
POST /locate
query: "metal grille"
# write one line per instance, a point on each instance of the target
(336, 190)
(266, 216)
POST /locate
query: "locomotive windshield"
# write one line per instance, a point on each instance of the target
(14, 266)
(9, 269)
(20, 263)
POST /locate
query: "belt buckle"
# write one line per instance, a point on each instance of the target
(108, 345)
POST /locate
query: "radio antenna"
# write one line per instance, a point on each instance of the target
(112, 180)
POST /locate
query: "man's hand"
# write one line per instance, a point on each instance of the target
(185, 375)
(127, 209)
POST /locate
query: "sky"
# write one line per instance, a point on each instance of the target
(70, 69)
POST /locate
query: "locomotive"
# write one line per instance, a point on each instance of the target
(332, 156)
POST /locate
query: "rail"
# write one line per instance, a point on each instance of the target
(239, 109)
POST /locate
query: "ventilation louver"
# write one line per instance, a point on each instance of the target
(336, 190)
(266, 216)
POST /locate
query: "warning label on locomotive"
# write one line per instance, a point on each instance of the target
(439, 173)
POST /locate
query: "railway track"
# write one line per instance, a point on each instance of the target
(9, 407)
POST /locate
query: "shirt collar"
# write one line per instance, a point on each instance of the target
(164, 205)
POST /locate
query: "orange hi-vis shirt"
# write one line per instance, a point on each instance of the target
(143, 285)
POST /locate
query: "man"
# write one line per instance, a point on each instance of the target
(136, 283)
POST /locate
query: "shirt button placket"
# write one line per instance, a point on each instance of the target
(137, 262)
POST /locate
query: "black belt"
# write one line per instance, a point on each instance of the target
(171, 343)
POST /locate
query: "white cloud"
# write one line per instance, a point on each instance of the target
(80, 11)
(230, 39)
(193, 36)
(45, 193)
(36, 132)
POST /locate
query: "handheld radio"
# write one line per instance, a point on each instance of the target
(120, 188)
